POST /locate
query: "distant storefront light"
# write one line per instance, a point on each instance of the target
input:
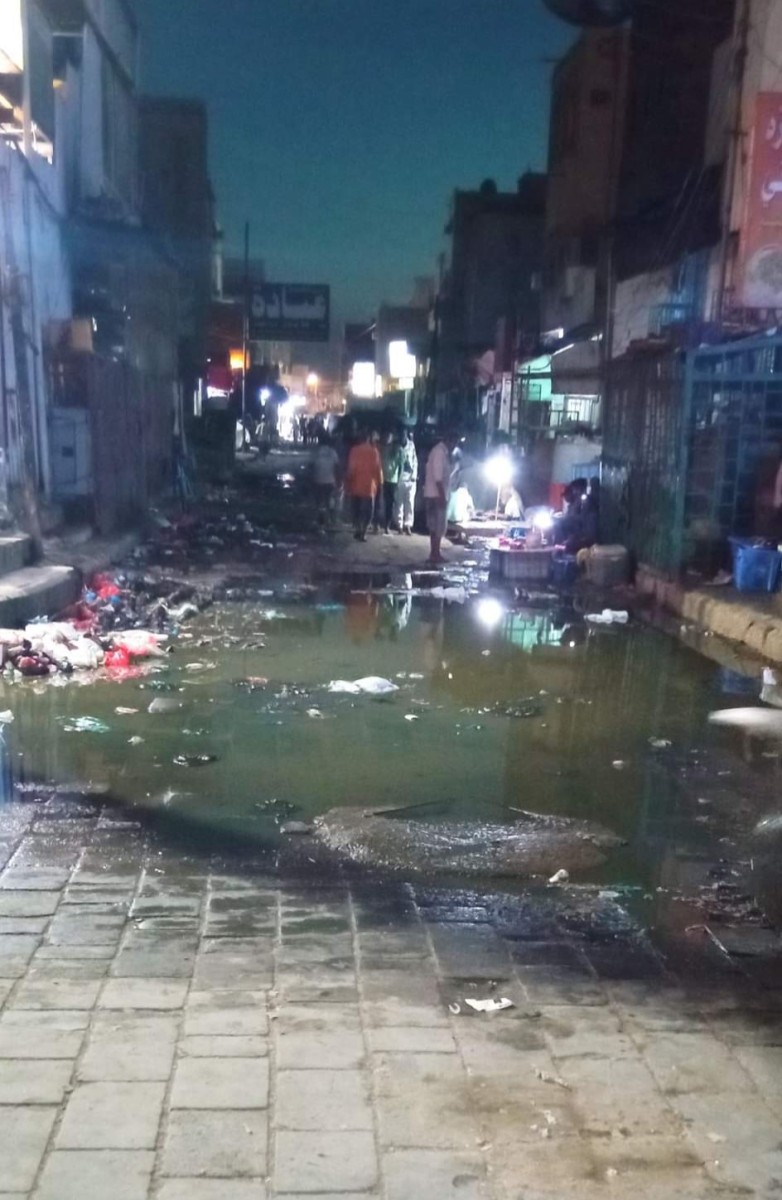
(362, 380)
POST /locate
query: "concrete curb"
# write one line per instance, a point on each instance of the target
(754, 622)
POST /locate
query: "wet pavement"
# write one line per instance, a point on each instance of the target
(197, 1004)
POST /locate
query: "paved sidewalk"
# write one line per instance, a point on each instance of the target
(176, 1028)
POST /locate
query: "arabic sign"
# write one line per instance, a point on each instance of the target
(290, 312)
(762, 251)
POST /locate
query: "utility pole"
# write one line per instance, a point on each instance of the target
(245, 326)
(735, 138)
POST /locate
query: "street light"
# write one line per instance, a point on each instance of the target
(313, 380)
(499, 471)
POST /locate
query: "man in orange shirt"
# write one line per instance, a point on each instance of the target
(364, 479)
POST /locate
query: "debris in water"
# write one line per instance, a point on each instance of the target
(619, 764)
(411, 717)
(125, 712)
(6, 717)
(162, 704)
(660, 743)
(136, 741)
(561, 876)
(297, 827)
(608, 617)
(716, 1138)
(315, 714)
(371, 685)
(194, 760)
(83, 725)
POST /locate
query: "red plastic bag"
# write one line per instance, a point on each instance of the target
(117, 658)
(107, 591)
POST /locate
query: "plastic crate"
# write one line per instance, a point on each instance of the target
(521, 566)
(756, 568)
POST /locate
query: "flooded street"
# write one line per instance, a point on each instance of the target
(210, 990)
(499, 708)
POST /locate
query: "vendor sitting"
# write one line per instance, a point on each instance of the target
(578, 528)
(461, 509)
(513, 505)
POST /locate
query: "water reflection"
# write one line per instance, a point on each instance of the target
(581, 701)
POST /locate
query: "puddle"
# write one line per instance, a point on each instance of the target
(496, 710)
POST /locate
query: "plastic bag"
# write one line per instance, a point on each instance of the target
(118, 658)
(139, 643)
(371, 685)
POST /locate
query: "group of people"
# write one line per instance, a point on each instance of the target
(380, 478)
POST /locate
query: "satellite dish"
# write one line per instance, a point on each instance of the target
(591, 12)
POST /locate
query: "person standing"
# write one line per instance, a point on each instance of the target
(408, 481)
(364, 481)
(391, 467)
(437, 490)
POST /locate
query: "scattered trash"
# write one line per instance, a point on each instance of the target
(619, 764)
(125, 712)
(315, 714)
(411, 717)
(545, 1077)
(489, 1006)
(297, 827)
(194, 760)
(561, 876)
(83, 725)
(6, 717)
(660, 743)
(372, 685)
(163, 704)
(764, 722)
(136, 741)
(608, 617)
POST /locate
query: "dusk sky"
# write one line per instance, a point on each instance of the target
(339, 128)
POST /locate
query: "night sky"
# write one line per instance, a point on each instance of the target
(340, 127)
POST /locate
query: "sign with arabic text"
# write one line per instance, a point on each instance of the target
(762, 241)
(290, 312)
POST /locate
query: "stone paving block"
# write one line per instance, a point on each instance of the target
(435, 1175)
(106, 899)
(74, 968)
(412, 1039)
(651, 1168)
(149, 956)
(407, 943)
(114, 1174)
(322, 1100)
(331, 1047)
(85, 929)
(28, 879)
(23, 925)
(323, 949)
(764, 1066)
(24, 1133)
(316, 984)
(34, 1080)
(739, 1142)
(218, 1144)
(694, 1062)
(5, 989)
(573, 1031)
(128, 1048)
(621, 1094)
(56, 993)
(220, 1083)
(20, 946)
(559, 985)
(401, 986)
(330, 1162)
(214, 1013)
(26, 1034)
(111, 1116)
(213, 1189)
(224, 1047)
(379, 1014)
(65, 954)
(143, 993)
(423, 1100)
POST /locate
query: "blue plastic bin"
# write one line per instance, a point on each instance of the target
(755, 568)
(564, 570)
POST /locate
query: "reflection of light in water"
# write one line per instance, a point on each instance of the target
(489, 612)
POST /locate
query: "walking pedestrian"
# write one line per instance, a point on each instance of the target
(391, 468)
(364, 481)
(325, 472)
(437, 488)
(408, 482)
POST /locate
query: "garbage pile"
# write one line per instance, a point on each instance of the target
(116, 624)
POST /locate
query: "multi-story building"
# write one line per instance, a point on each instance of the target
(494, 272)
(89, 327)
